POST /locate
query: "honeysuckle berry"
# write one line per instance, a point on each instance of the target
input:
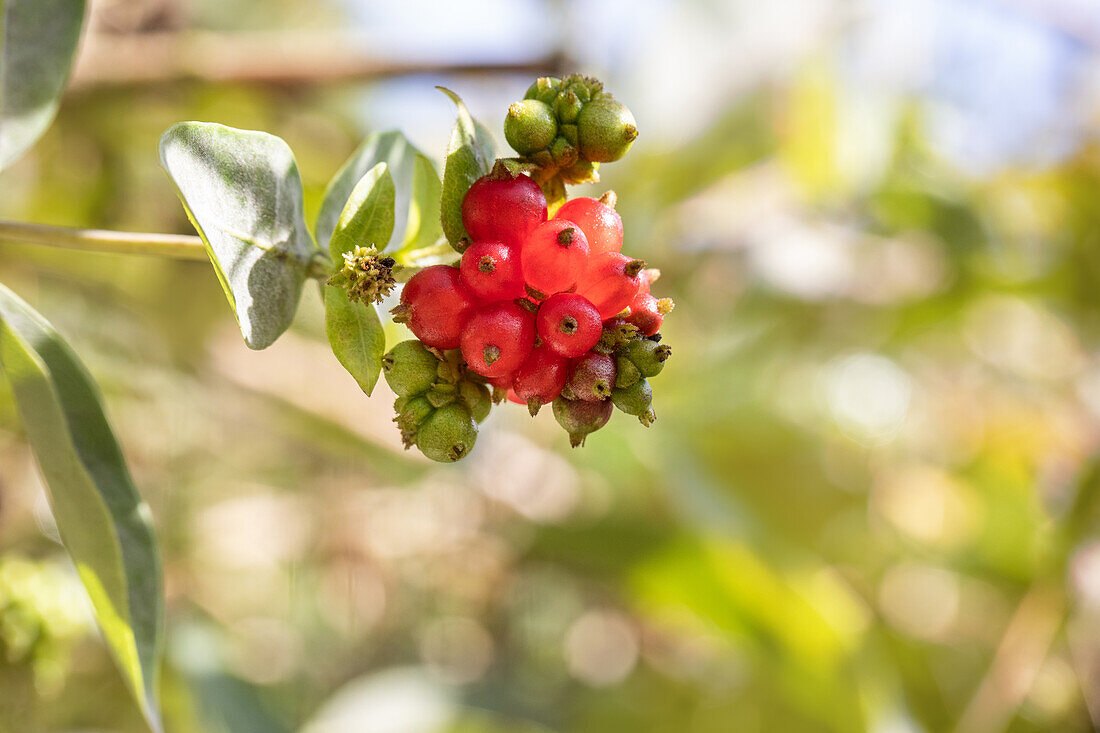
(491, 270)
(448, 434)
(366, 276)
(435, 305)
(611, 281)
(648, 313)
(545, 89)
(580, 418)
(476, 398)
(637, 400)
(597, 218)
(529, 126)
(502, 207)
(411, 413)
(649, 356)
(616, 333)
(592, 377)
(606, 129)
(626, 373)
(442, 394)
(497, 338)
(410, 368)
(539, 380)
(568, 324)
(554, 255)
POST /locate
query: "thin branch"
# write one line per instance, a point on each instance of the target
(272, 58)
(179, 246)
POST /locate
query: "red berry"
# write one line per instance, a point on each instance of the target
(593, 377)
(611, 281)
(569, 324)
(491, 271)
(600, 223)
(554, 256)
(502, 208)
(645, 315)
(513, 397)
(435, 305)
(497, 338)
(540, 378)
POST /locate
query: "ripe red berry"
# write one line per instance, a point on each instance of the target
(491, 271)
(600, 223)
(611, 281)
(436, 305)
(645, 314)
(497, 338)
(593, 377)
(569, 324)
(500, 207)
(540, 378)
(554, 256)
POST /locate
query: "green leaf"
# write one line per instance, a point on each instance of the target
(37, 41)
(469, 157)
(416, 213)
(105, 525)
(354, 330)
(425, 229)
(356, 336)
(243, 193)
(368, 215)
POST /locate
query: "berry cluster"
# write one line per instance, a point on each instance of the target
(543, 310)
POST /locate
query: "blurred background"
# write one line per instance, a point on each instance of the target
(870, 502)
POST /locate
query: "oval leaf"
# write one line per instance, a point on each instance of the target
(243, 193)
(469, 157)
(37, 41)
(354, 330)
(415, 212)
(356, 336)
(368, 215)
(105, 525)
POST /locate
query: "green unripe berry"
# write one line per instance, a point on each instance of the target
(410, 368)
(581, 417)
(626, 374)
(442, 394)
(606, 130)
(477, 399)
(637, 399)
(648, 356)
(448, 434)
(567, 107)
(563, 153)
(411, 412)
(545, 89)
(530, 126)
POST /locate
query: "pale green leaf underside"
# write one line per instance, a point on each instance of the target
(37, 41)
(469, 157)
(415, 208)
(243, 193)
(368, 215)
(105, 525)
(356, 336)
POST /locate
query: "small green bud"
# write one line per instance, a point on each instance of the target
(410, 368)
(410, 415)
(545, 89)
(606, 129)
(448, 434)
(582, 171)
(648, 356)
(477, 399)
(567, 107)
(442, 394)
(563, 153)
(571, 135)
(627, 374)
(365, 276)
(530, 126)
(581, 417)
(635, 399)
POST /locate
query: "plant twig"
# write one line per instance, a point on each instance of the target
(179, 246)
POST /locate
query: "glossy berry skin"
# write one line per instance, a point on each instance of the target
(581, 417)
(491, 271)
(611, 281)
(438, 305)
(593, 377)
(554, 255)
(502, 208)
(539, 380)
(601, 224)
(645, 315)
(568, 324)
(497, 338)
